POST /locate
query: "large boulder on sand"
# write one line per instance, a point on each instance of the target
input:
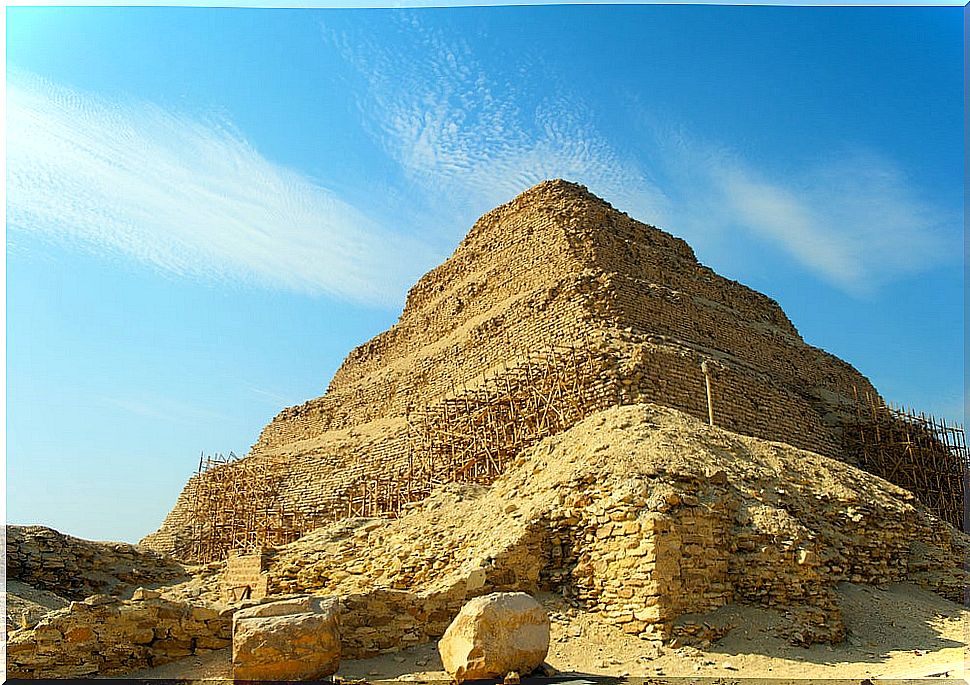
(292, 639)
(495, 634)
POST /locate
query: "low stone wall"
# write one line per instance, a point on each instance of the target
(74, 569)
(107, 636)
(383, 621)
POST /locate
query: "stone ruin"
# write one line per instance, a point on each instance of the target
(644, 517)
(110, 621)
(641, 516)
(539, 419)
(553, 307)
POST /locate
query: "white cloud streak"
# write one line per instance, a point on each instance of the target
(475, 143)
(851, 219)
(189, 197)
(160, 408)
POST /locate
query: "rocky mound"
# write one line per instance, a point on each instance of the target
(47, 569)
(75, 569)
(76, 608)
(645, 517)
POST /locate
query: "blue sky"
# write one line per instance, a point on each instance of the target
(208, 208)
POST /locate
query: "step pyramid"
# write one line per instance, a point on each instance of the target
(555, 305)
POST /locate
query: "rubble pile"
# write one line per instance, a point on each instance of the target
(74, 568)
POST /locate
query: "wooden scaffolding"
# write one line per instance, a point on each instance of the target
(237, 508)
(469, 436)
(472, 434)
(915, 451)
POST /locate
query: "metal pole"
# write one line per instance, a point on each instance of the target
(707, 383)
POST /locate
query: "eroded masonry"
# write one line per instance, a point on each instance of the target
(554, 306)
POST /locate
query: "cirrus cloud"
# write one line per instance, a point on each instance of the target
(852, 217)
(189, 197)
(467, 141)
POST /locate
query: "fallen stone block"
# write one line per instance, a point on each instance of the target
(142, 594)
(295, 639)
(494, 635)
(101, 600)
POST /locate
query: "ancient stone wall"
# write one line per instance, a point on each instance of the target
(743, 401)
(107, 636)
(75, 568)
(385, 620)
(732, 335)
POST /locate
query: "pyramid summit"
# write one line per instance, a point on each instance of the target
(555, 305)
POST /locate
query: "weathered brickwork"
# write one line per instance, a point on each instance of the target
(107, 636)
(558, 266)
(244, 577)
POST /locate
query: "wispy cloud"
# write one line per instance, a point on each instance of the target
(160, 408)
(188, 196)
(852, 218)
(459, 134)
(265, 394)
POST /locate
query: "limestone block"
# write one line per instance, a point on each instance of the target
(294, 639)
(141, 594)
(101, 600)
(495, 634)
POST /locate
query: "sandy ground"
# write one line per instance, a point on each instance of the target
(895, 633)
